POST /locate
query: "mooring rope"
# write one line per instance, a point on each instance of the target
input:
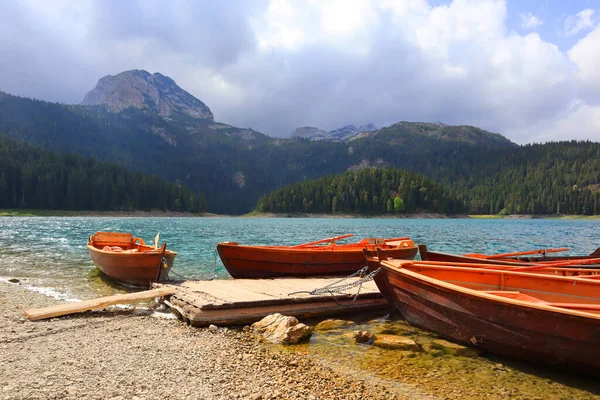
(215, 265)
(338, 288)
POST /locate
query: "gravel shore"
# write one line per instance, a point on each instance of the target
(125, 354)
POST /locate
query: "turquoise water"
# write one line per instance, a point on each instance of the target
(50, 252)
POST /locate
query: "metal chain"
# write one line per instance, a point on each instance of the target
(183, 278)
(336, 287)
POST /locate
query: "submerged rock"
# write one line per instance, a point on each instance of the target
(362, 336)
(393, 342)
(448, 347)
(331, 324)
(281, 329)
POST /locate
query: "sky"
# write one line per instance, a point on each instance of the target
(528, 69)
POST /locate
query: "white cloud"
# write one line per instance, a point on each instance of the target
(585, 54)
(580, 121)
(529, 21)
(585, 19)
(281, 64)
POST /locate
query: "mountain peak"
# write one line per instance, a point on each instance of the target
(140, 89)
(343, 133)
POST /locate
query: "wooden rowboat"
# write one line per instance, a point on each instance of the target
(320, 258)
(128, 259)
(518, 258)
(552, 320)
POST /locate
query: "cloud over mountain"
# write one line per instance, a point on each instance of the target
(275, 65)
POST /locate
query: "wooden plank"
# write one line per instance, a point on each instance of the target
(227, 291)
(35, 314)
(248, 315)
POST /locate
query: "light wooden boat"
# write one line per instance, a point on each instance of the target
(320, 258)
(552, 320)
(129, 260)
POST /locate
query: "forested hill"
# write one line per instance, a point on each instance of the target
(550, 178)
(553, 178)
(38, 179)
(233, 166)
(368, 191)
(236, 166)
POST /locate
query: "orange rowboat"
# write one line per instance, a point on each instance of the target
(524, 258)
(319, 258)
(553, 320)
(128, 259)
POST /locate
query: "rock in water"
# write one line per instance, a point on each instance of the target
(362, 336)
(282, 329)
(331, 324)
(140, 89)
(394, 342)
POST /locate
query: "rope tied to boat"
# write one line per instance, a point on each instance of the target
(215, 252)
(338, 288)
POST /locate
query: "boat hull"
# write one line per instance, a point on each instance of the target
(279, 261)
(138, 269)
(557, 339)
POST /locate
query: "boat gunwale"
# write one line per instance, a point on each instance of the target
(123, 254)
(352, 247)
(401, 269)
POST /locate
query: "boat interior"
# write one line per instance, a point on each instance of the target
(569, 292)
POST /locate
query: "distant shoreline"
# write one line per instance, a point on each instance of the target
(89, 213)
(418, 216)
(175, 214)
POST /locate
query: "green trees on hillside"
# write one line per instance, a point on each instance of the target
(235, 167)
(368, 191)
(37, 179)
(550, 178)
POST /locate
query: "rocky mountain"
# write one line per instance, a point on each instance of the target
(142, 90)
(340, 134)
(350, 131)
(310, 133)
(148, 124)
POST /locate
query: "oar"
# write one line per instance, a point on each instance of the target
(332, 239)
(156, 240)
(518, 253)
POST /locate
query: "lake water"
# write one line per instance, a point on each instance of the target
(49, 253)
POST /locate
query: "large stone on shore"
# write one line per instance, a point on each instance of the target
(452, 348)
(393, 342)
(331, 324)
(282, 329)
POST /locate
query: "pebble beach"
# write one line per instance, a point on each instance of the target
(141, 354)
(131, 354)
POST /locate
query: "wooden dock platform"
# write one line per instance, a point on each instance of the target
(244, 301)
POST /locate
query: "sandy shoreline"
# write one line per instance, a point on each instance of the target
(133, 355)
